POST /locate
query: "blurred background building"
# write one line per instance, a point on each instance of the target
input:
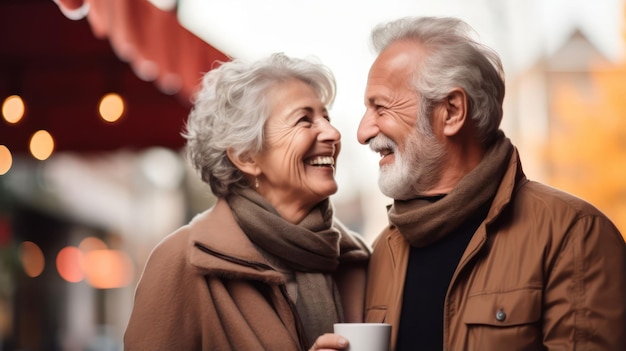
(95, 93)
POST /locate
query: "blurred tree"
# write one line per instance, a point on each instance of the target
(587, 151)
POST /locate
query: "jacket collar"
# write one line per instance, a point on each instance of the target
(514, 177)
(219, 247)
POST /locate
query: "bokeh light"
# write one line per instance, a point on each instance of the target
(108, 269)
(13, 109)
(69, 264)
(41, 145)
(32, 258)
(111, 107)
(6, 160)
(91, 243)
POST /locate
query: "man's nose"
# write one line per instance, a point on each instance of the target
(367, 127)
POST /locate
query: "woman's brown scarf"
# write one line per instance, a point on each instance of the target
(423, 222)
(312, 249)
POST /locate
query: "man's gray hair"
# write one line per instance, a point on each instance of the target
(453, 59)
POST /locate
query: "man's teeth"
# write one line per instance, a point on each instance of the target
(321, 161)
(384, 153)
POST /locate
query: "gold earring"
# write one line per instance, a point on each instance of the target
(256, 182)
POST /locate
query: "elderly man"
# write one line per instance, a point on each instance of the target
(476, 256)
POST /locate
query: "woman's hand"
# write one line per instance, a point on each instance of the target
(329, 342)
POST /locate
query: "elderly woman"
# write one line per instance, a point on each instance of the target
(268, 267)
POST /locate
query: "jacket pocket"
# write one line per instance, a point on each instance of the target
(504, 309)
(504, 321)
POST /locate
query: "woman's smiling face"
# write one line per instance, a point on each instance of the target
(297, 164)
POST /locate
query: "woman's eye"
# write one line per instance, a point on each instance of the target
(304, 120)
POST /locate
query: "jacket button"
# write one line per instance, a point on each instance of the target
(500, 316)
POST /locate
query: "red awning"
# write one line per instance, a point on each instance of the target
(151, 40)
(62, 67)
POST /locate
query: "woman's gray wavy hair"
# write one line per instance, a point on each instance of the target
(453, 59)
(231, 108)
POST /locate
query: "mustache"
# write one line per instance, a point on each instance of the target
(381, 142)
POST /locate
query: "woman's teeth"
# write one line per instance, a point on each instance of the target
(321, 161)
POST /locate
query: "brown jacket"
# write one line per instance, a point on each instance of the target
(206, 287)
(550, 263)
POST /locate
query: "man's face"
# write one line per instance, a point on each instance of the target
(410, 154)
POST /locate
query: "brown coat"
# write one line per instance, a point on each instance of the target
(206, 287)
(552, 263)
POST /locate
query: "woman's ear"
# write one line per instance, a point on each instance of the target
(456, 111)
(244, 162)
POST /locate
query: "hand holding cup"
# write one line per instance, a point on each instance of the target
(365, 336)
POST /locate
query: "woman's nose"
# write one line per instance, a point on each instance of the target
(367, 127)
(328, 132)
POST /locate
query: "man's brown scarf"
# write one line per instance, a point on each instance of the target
(423, 222)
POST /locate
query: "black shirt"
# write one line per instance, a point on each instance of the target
(428, 276)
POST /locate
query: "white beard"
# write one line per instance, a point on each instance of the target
(396, 180)
(416, 169)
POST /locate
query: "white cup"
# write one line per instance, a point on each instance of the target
(365, 336)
